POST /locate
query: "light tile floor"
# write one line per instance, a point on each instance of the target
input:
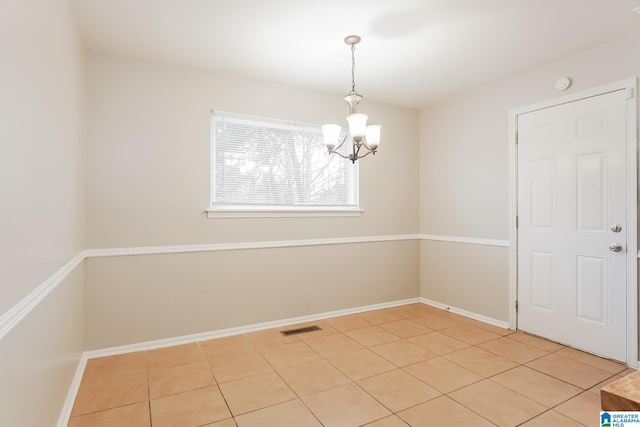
(411, 365)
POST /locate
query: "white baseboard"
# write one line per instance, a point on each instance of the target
(221, 333)
(65, 414)
(187, 339)
(465, 313)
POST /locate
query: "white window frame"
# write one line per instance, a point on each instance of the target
(216, 210)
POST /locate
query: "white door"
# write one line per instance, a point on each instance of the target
(571, 207)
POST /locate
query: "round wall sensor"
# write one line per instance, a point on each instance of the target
(563, 83)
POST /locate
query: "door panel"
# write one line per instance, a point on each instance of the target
(590, 197)
(543, 280)
(591, 289)
(543, 194)
(571, 188)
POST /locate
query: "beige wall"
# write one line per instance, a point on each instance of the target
(38, 358)
(147, 178)
(475, 285)
(134, 299)
(41, 165)
(42, 207)
(148, 157)
(464, 169)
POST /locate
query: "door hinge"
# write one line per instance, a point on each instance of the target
(516, 306)
(516, 138)
(517, 221)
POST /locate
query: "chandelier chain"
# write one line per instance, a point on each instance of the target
(353, 68)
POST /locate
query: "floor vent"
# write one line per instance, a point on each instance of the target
(301, 330)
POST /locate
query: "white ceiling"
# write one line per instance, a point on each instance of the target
(412, 51)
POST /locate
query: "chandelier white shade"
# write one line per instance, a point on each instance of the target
(331, 134)
(364, 139)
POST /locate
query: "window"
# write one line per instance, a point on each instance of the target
(268, 167)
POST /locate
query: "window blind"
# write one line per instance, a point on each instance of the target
(259, 162)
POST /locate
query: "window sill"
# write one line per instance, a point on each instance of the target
(281, 213)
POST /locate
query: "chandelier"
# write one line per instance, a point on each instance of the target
(358, 134)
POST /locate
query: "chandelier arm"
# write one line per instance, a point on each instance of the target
(341, 143)
(366, 154)
(364, 142)
(339, 154)
(356, 152)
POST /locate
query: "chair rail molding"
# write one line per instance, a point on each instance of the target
(468, 240)
(15, 314)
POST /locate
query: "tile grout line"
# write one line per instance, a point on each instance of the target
(400, 368)
(352, 381)
(298, 397)
(331, 364)
(146, 366)
(213, 376)
(517, 392)
(408, 317)
(518, 365)
(444, 394)
(582, 390)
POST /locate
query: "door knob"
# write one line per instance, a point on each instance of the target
(616, 228)
(615, 247)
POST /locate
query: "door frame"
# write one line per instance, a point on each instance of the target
(629, 85)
